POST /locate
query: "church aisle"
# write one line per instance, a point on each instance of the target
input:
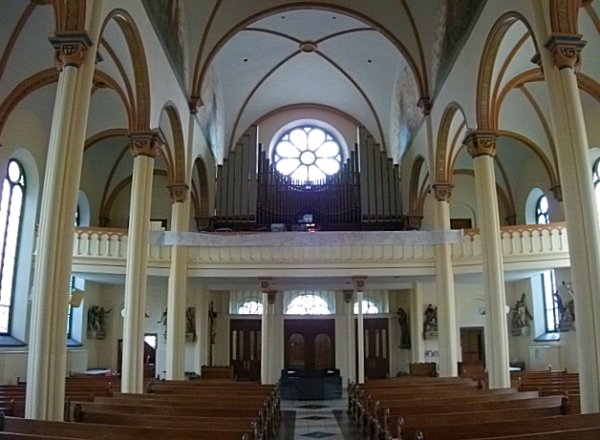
(316, 419)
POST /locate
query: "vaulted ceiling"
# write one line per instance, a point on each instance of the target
(372, 60)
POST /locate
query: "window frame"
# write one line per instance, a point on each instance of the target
(308, 127)
(20, 182)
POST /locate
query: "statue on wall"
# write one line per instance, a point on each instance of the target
(521, 317)
(404, 328)
(430, 323)
(566, 307)
(190, 324)
(96, 324)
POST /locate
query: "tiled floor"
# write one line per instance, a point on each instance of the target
(316, 419)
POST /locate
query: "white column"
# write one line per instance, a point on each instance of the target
(416, 324)
(272, 374)
(444, 280)
(46, 369)
(360, 332)
(264, 340)
(203, 339)
(482, 147)
(560, 65)
(348, 295)
(177, 291)
(144, 146)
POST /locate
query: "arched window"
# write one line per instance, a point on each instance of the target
(548, 278)
(250, 306)
(307, 153)
(11, 211)
(596, 172)
(541, 211)
(308, 304)
(369, 307)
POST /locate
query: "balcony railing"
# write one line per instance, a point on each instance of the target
(519, 243)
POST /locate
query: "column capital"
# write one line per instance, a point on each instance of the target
(178, 192)
(425, 104)
(566, 50)
(481, 143)
(271, 294)
(194, 104)
(442, 191)
(557, 193)
(264, 284)
(348, 295)
(70, 48)
(145, 143)
(413, 221)
(359, 282)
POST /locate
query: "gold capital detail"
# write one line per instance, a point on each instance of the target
(425, 105)
(359, 282)
(557, 192)
(481, 143)
(145, 143)
(264, 284)
(348, 296)
(70, 48)
(178, 192)
(566, 50)
(442, 191)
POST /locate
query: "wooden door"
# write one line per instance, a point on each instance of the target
(377, 356)
(245, 346)
(309, 344)
(472, 345)
(150, 345)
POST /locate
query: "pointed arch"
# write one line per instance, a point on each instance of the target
(176, 155)
(24, 89)
(199, 193)
(564, 16)
(484, 94)
(106, 207)
(443, 157)
(141, 107)
(414, 190)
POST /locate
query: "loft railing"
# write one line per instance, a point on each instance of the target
(519, 243)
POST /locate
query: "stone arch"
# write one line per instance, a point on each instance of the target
(484, 113)
(414, 191)
(200, 194)
(564, 16)
(443, 159)
(175, 157)
(70, 15)
(106, 207)
(141, 107)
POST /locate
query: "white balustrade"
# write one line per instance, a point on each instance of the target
(518, 242)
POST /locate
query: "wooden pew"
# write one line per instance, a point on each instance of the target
(471, 430)
(563, 434)
(409, 425)
(201, 423)
(119, 432)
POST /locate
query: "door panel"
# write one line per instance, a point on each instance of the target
(245, 346)
(472, 345)
(377, 362)
(309, 344)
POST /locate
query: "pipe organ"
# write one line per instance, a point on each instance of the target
(252, 195)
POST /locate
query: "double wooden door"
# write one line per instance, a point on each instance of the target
(245, 346)
(309, 344)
